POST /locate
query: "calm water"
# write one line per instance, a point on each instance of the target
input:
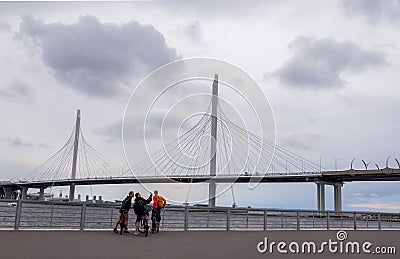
(58, 216)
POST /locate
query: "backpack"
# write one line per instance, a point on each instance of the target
(160, 202)
(138, 207)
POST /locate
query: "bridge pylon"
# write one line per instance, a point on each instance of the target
(212, 186)
(75, 155)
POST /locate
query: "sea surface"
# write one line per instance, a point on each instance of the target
(104, 216)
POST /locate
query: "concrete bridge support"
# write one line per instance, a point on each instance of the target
(212, 187)
(337, 192)
(337, 195)
(321, 196)
(71, 196)
(24, 192)
(8, 193)
(41, 194)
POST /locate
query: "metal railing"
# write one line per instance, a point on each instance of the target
(64, 215)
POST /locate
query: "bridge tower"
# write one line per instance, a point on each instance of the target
(212, 187)
(75, 155)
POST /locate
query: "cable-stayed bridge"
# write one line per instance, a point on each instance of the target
(215, 150)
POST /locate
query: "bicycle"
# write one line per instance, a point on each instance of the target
(153, 222)
(144, 224)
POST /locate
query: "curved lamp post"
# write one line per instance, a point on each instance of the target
(351, 164)
(387, 162)
(366, 164)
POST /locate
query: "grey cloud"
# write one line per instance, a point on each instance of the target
(320, 63)
(374, 11)
(4, 26)
(193, 31)
(302, 141)
(20, 143)
(111, 131)
(222, 9)
(16, 90)
(97, 58)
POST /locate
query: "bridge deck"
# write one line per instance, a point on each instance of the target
(386, 174)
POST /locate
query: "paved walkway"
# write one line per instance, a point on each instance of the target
(191, 244)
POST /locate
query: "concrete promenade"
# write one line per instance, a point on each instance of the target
(190, 244)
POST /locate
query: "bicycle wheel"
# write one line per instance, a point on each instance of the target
(153, 224)
(146, 227)
(122, 224)
(141, 226)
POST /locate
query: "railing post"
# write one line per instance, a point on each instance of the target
(18, 211)
(52, 214)
(186, 218)
(313, 219)
(247, 218)
(208, 218)
(228, 218)
(162, 218)
(298, 220)
(379, 220)
(355, 220)
(265, 219)
(327, 220)
(83, 215)
(111, 217)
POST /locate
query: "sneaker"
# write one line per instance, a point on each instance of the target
(136, 234)
(126, 231)
(157, 230)
(115, 230)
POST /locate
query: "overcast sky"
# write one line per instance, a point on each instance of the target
(329, 69)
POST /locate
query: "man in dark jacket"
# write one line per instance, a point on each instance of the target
(125, 206)
(140, 209)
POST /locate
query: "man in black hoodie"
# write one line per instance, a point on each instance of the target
(125, 206)
(140, 209)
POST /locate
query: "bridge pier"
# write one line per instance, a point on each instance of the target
(41, 194)
(337, 192)
(321, 195)
(337, 195)
(24, 192)
(71, 196)
(212, 191)
(8, 193)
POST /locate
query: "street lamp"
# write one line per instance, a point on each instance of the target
(351, 164)
(335, 163)
(387, 162)
(365, 164)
